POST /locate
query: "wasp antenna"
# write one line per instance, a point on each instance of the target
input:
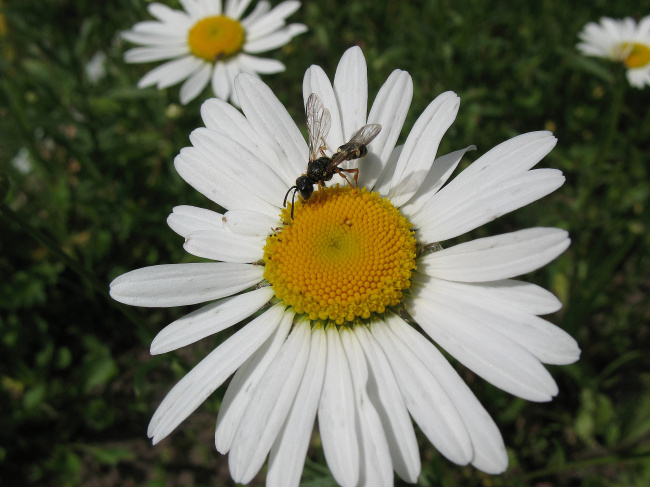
(293, 201)
(287, 195)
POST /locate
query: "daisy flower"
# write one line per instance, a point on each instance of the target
(210, 43)
(331, 297)
(623, 41)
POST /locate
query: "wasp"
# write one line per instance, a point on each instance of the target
(323, 168)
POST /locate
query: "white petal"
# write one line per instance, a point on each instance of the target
(489, 451)
(243, 384)
(234, 10)
(288, 453)
(183, 284)
(170, 73)
(336, 418)
(188, 219)
(221, 186)
(384, 183)
(490, 355)
(272, 121)
(226, 119)
(148, 54)
(254, 64)
(195, 84)
(241, 164)
(421, 146)
(168, 15)
(376, 465)
(211, 372)
(255, 226)
(389, 110)
(193, 7)
(273, 20)
(223, 245)
(351, 88)
(547, 342)
(274, 40)
(460, 214)
(260, 9)
(269, 406)
(441, 170)
(522, 295)
(424, 397)
(385, 395)
(499, 257)
(209, 320)
(316, 81)
(220, 82)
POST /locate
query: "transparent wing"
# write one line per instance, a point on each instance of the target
(318, 125)
(365, 135)
(348, 151)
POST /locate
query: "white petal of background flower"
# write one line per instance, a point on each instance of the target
(195, 83)
(243, 384)
(209, 320)
(183, 284)
(169, 15)
(148, 54)
(272, 21)
(387, 399)
(288, 453)
(211, 372)
(336, 415)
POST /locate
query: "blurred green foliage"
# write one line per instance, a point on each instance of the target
(87, 180)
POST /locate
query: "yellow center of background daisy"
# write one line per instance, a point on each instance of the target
(346, 254)
(638, 55)
(215, 38)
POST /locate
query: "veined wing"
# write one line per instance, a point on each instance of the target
(354, 148)
(318, 126)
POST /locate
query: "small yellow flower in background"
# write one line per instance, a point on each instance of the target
(210, 42)
(328, 292)
(623, 41)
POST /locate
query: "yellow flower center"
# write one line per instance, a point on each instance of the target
(215, 38)
(346, 254)
(638, 55)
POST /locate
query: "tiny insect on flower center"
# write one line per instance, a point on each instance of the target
(637, 55)
(347, 254)
(215, 38)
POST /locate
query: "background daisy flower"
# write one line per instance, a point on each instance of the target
(333, 294)
(210, 43)
(623, 41)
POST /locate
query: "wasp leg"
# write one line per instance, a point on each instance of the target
(355, 171)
